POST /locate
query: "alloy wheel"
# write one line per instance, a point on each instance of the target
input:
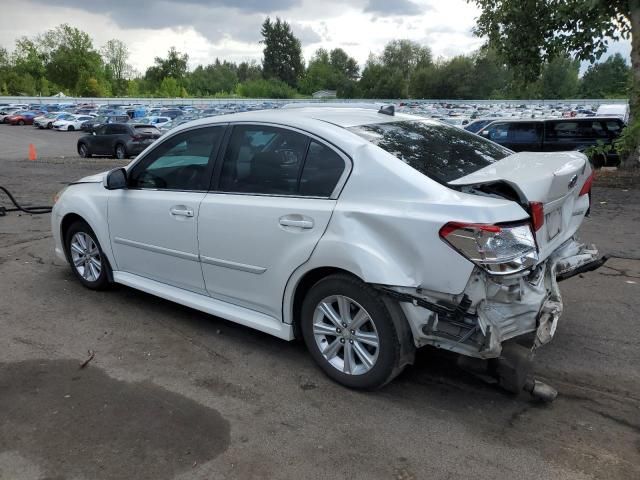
(120, 153)
(85, 256)
(346, 335)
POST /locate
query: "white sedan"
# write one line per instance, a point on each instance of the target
(365, 233)
(71, 122)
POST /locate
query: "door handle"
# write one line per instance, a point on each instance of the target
(181, 211)
(296, 221)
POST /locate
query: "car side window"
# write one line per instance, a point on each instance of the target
(522, 132)
(101, 130)
(323, 168)
(263, 160)
(498, 132)
(182, 162)
(613, 127)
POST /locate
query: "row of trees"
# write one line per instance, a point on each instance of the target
(65, 59)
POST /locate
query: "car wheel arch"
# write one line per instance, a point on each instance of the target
(72, 217)
(303, 286)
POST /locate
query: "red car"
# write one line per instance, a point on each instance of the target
(22, 118)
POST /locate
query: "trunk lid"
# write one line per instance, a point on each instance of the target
(553, 179)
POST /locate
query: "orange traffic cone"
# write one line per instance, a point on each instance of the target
(32, 152)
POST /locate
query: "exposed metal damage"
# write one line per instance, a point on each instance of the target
(516, 311)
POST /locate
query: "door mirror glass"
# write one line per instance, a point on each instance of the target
(116, 179)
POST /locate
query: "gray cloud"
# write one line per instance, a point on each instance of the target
(214, 19)
(388, 8)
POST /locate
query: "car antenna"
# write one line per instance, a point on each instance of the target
(387, 110)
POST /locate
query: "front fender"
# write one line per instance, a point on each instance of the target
(90, 202)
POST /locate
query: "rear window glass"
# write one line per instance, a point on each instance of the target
(441, 152)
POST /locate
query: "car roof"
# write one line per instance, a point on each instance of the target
(569, 119)
(342, 117)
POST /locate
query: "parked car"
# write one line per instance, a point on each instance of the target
(7, 112)
(369, 234)
(46, 121)
(89, 125)
(120, 140)
(71, 122)
(615, 110)
(153, 120)
(557, 135)
(476, 125)
(21, 118)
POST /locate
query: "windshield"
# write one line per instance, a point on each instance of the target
(441, 152)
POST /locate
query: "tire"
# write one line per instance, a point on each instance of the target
(70, 128)
(95, 276)
(21, 122)
(321, 334)
(599, 160)
(121, 152)
(83, 150)
(49, 125)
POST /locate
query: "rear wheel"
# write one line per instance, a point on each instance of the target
(88, 262)
(70, 128)
(121, 151)
(350, 333)
(50, 125)
(20, 122)
(83, 150)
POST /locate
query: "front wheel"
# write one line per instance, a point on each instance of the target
(88, 262)
(21, 122)
(83, 150)
(350, 333)
(70, 128)
(121, 152)
(50, 125)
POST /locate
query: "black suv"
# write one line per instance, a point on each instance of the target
(556, 135)
(120, 140)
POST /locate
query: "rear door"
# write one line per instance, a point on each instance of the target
(274, 195)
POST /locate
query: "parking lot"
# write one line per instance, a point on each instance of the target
(174, 393)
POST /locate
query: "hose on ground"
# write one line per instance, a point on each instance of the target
(19, 208)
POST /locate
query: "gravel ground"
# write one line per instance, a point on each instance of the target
(176, 394)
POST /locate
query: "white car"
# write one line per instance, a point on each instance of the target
(367, 234)
(47, 120)
(153, 120)
(71, 122)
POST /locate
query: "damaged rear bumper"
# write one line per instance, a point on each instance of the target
(492, 310)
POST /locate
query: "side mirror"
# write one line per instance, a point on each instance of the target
(116, 179)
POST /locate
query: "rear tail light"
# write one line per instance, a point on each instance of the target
(136, 138)
(537, 215)
(500, 250)
(586, 188)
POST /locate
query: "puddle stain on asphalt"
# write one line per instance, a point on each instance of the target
(76, 423)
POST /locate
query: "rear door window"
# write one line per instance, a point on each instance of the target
(441, 152)
(322, 169)
(263, 160)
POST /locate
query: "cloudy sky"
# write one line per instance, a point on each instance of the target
(230, 29)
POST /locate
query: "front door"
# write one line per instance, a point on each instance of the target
(273, 201)
(153, 223)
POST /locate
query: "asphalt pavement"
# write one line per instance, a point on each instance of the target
(172, 393)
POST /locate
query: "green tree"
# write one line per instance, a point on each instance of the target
(282, 54)
(608, 79)
(169, 88)
(343, 64)
(248, 71)
(174, 66)
(115, 55)
(70, 57)
(559, 78)
(527, 33)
